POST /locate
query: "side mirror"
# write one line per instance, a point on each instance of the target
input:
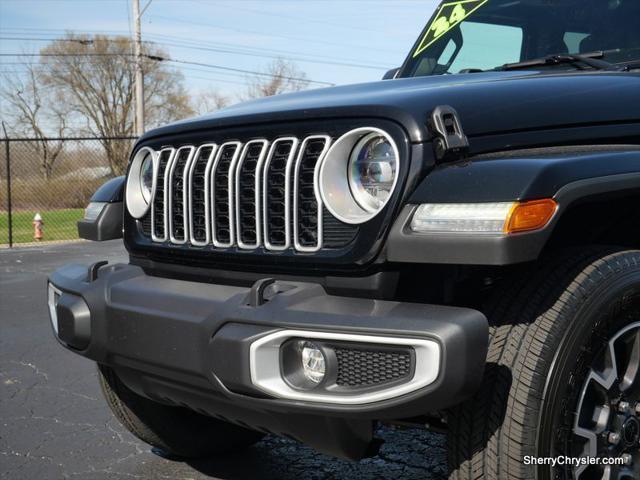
(391, 74)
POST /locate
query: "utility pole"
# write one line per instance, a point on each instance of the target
(139, 79)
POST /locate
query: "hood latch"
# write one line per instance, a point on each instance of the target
(450, 143)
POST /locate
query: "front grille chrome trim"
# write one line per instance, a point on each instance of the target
(296, 178)
(258, 176)
(231, 198)
(154, 237)
(169, 209)
(287, 194)
(207, 202)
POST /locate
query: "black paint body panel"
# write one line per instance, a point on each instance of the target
(488, 103)
(523, 175)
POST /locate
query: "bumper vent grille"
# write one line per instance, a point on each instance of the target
(364, 368)
(254, 195)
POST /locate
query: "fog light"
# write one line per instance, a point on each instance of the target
(314, 364)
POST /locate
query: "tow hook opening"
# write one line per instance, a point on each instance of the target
(265, 289)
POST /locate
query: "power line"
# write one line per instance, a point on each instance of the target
(218, 50)
(255, 32)
(251, 72)
(172, 60)
(215, 46)
(87, 54)
(293, 17)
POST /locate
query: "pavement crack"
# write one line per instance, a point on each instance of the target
(33, 367)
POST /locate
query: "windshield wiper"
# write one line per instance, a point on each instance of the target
(627, 67)
(588, 59)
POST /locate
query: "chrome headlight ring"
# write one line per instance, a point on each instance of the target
(361, 164)
(141, 182)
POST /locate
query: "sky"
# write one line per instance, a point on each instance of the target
(332, 41)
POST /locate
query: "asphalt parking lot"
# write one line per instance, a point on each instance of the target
(54, 423)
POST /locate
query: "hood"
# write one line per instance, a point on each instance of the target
(488, 103)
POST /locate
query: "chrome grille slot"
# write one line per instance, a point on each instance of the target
(198, 210)
(247, 185)
(307, 207)
(177, 195)
(158, 212)
(276, 194)
(222, 197)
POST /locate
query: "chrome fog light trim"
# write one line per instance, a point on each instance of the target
(267, 375)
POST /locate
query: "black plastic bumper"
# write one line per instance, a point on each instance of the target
(186, 343)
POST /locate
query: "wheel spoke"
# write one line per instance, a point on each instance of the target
(630, 376)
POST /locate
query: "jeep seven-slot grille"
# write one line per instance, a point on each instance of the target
(259, 194)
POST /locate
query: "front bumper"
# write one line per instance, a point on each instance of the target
(194, 345)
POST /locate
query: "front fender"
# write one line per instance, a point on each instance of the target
(566, 174)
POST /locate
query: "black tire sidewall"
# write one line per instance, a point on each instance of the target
(593, 319)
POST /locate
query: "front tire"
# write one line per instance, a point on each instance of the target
(176, 431)
(551, 330)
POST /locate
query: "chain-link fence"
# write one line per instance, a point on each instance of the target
(46, 183)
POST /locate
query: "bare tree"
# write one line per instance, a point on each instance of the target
(281, 76)
(206, 102)
(94, 78)
(33, 113)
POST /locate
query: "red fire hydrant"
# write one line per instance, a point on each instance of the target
(37, 227)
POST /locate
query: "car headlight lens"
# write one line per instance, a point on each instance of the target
(146, 178)
(358, 175)
(373, 168)
(141, 182)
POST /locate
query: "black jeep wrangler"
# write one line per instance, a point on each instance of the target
(456, 247)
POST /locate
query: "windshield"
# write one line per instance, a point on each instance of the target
(472, 35)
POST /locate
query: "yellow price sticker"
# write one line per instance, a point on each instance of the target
(449, 15)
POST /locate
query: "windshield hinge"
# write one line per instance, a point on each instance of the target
(450, 143)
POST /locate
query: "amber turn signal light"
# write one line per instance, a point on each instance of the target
(532, 215)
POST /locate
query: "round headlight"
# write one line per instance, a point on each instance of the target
(373, 168)
(146, 178)
(359, 174)
(141, 182)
